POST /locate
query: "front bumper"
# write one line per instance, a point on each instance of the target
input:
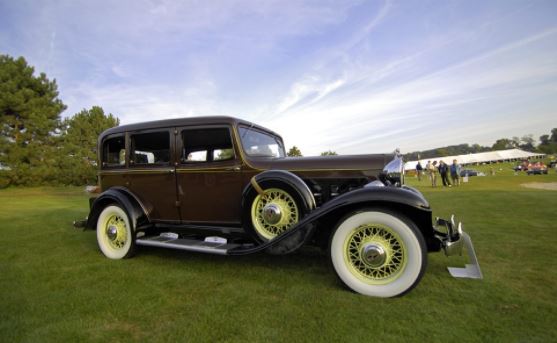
(453, 239)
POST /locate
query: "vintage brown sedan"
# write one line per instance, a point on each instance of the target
(223, 185)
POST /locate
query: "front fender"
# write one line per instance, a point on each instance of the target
(389, 194)
(405, 199)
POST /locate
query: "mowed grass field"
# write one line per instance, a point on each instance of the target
(55, 285)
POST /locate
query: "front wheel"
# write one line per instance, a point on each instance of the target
(378, 253)
(114, 233)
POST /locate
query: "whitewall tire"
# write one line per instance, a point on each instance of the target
(378, 253)
(114, 233)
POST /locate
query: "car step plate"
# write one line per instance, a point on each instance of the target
(219, 248)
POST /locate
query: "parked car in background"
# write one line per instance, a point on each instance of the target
(537, 168)
(471, 172)
(522, 166)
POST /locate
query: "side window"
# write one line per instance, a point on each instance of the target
(114, 152)
(206, 145)
(150, 148)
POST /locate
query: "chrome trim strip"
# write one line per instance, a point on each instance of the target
(375, 183)
(167, 244)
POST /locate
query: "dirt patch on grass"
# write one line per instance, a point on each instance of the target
(550, 186)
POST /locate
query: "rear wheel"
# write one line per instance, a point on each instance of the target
(114, 233)
(378, 253)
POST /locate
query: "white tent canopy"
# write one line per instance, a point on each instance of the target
(490, 156)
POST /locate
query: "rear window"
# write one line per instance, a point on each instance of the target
(150, 148)
(114, 152)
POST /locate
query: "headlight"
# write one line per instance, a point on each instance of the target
(393, 172)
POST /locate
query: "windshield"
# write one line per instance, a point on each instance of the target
(260, 144)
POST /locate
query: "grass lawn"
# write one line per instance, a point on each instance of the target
(56, 286)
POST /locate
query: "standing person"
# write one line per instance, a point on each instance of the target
(444, 171)
(432, 171)
(419, 171)
(455, 173)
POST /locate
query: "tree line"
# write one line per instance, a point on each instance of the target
(295, 152)
(547, 145)
(37, 145)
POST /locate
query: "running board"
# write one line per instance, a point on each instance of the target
(220, 247)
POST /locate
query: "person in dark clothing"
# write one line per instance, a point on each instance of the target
(444, 171)
(455, 173)
(419, 171)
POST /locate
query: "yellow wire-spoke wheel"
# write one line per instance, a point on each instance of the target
(273, 212)
(378, 253)
(114, 234)
(375, 254)
(115, 231)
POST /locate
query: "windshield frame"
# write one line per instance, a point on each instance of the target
(252, 128)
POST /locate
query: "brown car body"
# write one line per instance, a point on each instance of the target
(211, 193)
(216, 184)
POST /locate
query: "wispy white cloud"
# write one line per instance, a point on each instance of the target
(351, 76)
(437, 104)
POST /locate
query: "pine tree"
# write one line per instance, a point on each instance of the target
(29, 117)
(78, 153)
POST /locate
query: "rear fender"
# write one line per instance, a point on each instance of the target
(138, 213)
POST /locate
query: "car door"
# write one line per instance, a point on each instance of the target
(208, 175)
(151, 174)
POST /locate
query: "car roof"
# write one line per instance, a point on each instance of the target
(185, 121)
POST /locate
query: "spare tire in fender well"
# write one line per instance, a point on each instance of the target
(277, 181)
(288, 178)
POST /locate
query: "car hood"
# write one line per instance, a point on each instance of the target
(374, 162)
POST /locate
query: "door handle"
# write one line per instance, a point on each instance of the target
(171, 171)
(236, 169)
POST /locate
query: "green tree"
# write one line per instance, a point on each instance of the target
(294, 152)
(29, 117)
(528, 142)
(548, 144)
(329, 153)
(78, 151)
(503, 144)
(442, 152)
(515, 142)
(554, 135)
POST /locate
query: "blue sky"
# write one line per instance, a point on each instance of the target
(350, 76)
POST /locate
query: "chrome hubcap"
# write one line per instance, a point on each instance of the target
(112, 232)
(374, 255)
(272, 214)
